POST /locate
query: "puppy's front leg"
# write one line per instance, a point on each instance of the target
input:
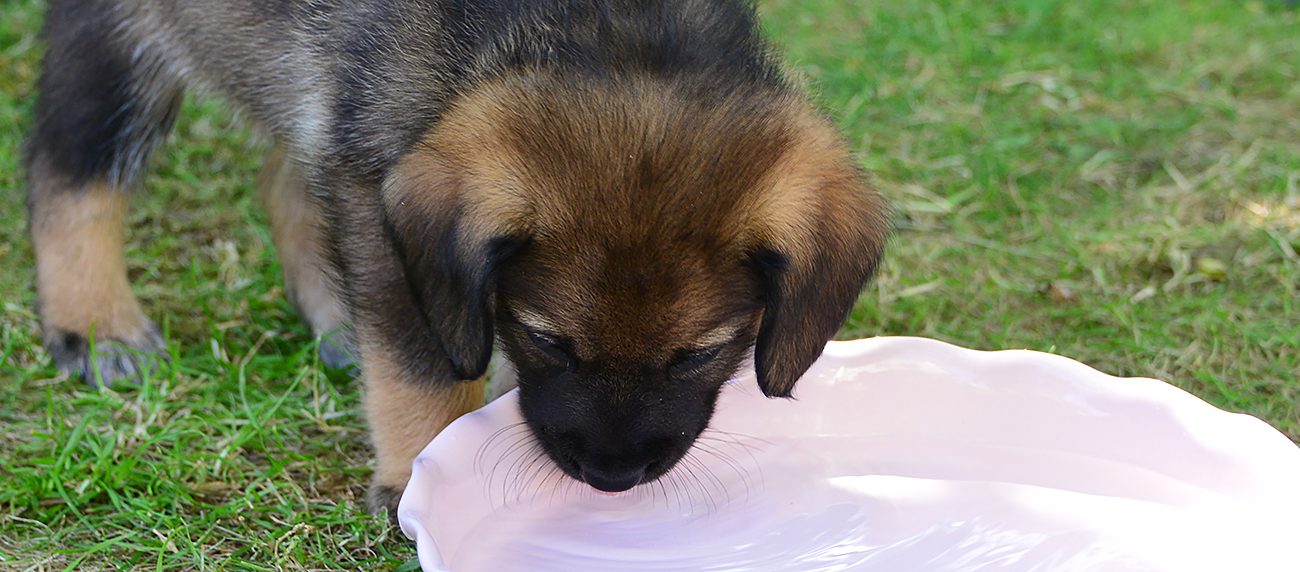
(105, 102)
(298, 228)
(412, 389)
(405, 413)
(81, 283)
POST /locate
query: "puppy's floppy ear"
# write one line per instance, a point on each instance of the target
(817, 258)
(450, 246)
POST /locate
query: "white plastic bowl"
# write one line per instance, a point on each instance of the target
(899, 454)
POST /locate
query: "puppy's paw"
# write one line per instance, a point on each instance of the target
(114, 362)
(337, 351)
(383, 499)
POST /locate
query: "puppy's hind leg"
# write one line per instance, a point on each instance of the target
(104, 103)
(298, 230)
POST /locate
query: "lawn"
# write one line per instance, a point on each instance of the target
(1113, 181)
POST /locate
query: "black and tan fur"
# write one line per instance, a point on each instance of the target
(626, 195)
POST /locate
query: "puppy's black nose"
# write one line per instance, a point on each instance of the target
(612, 481)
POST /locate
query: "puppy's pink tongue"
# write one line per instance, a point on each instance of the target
(603, 493)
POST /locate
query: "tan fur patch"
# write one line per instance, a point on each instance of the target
(80, 269)
(439, 172)
(535, 321)
(474, 144)
(405, 414)
(809, 188)
(720, 335)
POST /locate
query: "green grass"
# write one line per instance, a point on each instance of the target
(1113, 181)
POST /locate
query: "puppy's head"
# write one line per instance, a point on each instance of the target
(629, 244)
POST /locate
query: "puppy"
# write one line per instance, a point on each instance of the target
(627, 195)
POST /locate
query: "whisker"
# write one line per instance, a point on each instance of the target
(559, 483)
(653, 491)
(666, 480)
(521, 441)
(708, 499)
(514, 448)
(714, 483)
(735, 439)
(521, 472)
(543, 468)
(728, 444)
(735, 466)
(499, 434)
(539, 484)
(515, 456)
(716, 431)
(673, 476)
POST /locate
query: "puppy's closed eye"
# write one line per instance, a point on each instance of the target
(692, 362)
(556, 351)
